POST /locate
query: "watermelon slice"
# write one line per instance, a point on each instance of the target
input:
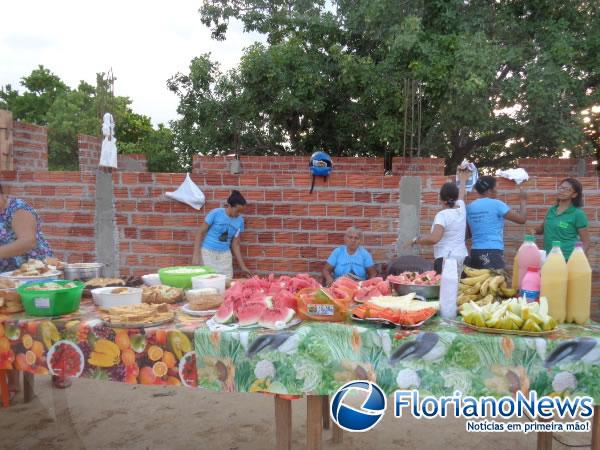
(225, 313)
(276, 317)
(250, 314)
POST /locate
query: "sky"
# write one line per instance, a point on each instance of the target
(145, 43)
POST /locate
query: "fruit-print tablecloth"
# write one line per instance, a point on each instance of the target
(439, 359)
(81, 345)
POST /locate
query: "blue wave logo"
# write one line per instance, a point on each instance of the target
(370, 413)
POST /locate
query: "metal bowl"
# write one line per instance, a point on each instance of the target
(83, 271)
(428, 292)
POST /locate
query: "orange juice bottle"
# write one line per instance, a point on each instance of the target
(554, 283)
(579, 287)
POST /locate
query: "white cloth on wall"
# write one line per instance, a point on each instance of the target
(108, 153)
(517, 175)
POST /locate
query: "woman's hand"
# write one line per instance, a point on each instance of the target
(247, 273)
(463, 174)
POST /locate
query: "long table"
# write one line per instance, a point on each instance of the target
(311, 360)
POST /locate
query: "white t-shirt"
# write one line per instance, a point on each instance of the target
(454, 221)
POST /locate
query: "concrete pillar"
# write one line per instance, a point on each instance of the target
(581, 167)
(107, 239)
(410, 213)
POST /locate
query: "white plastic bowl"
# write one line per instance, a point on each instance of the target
(210, 280)
(105, 299)
(152, 279)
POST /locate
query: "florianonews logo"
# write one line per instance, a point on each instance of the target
(367, 414)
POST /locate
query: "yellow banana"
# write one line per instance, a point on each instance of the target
(474, 280)
(473, 273)
(463, 287)
(495, 284)
(473, 289)
(485, 300)
(466, 298)
(485, 287)
(508, 292)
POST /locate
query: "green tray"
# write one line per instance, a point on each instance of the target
(51, 303)
(182, 280)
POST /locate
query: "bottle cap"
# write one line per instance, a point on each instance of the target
(555, 243)
(533, 269)
(578, 244)
(529, 238)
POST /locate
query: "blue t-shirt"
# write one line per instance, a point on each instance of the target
(357, 263)
(221, 230)
(485, 217)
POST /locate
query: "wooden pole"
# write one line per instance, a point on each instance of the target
(325, 412)
(283, 423)
(314, 425)
(6, 140)
(544, 439)
(28, 392)
(596, 429)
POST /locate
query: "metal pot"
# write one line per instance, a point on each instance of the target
(83, 271)
(428, 292)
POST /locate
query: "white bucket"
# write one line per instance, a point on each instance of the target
(210, 280)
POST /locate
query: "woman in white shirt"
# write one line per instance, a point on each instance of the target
(447, 234)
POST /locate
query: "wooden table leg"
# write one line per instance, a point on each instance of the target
(337, 434)
(596, 429)
(28, 392)
(4, 392)
(544, 440)
(314, 422)
(283, 423)
(325, 412)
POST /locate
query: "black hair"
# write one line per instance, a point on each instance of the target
(576, 185)
(485, 183)
(449, 194)
(236, 198)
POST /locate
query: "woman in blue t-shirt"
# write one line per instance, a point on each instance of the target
(349, 259)
(220, 235)
(485, 218)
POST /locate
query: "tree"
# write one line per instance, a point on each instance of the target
(68, 112)
(501, 79)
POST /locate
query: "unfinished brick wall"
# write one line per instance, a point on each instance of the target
(30, 147)
(545, 167)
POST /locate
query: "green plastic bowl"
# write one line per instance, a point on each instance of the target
(51, 303)
(182, 280)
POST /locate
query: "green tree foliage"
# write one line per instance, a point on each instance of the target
(501, 80)
(67, 112)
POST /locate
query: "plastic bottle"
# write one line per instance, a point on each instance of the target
(528, 256)
(554, 283)
(530, 286)
(449, 289)
(579, 286)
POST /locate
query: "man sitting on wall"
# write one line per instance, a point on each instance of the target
(350, 259)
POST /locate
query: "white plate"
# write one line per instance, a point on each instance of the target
(192, 312)
(53, 349)
(48, 276)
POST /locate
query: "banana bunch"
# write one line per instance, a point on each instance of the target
(105, 354)
(483, 286)
(513, 314)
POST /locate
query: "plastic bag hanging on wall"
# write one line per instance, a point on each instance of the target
(189, 193)
(108, 154)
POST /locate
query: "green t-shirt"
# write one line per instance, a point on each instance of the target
(563, 227)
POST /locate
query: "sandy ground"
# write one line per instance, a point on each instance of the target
(102, 415)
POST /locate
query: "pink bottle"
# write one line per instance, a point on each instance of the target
(530, 287)
(528, 256)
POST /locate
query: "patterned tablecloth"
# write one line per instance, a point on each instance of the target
(82, 345)
(441, 358)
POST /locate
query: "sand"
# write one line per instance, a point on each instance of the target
(104, 415)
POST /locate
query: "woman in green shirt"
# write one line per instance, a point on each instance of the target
(566, 222)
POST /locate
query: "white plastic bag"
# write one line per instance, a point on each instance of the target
(449, 289)
(108, 153)
(517, 175)
(472, 179)
(189, 193)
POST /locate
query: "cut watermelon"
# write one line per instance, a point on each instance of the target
(276, 317)
(250, 314)
(225, 313)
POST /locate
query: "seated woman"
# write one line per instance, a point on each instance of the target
(350, 259)
(21, 239)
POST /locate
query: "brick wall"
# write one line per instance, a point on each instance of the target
(299, 164)
(66, 203)
(544, 167)
(541, 195)
(287, 229)
(30, 147)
